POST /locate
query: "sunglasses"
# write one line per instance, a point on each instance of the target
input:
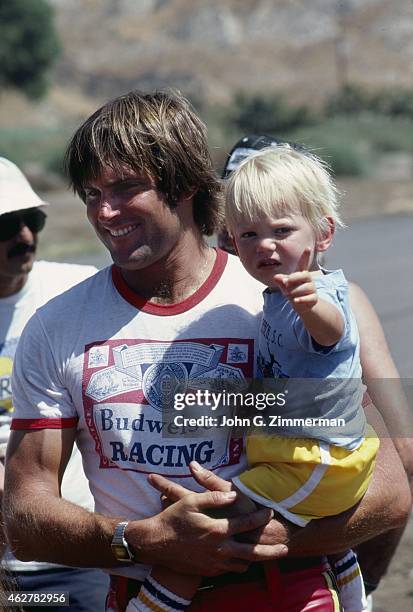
(11, 223)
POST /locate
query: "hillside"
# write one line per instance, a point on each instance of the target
(211, 48)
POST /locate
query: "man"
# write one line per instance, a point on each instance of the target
(170, 314)
(24, 286)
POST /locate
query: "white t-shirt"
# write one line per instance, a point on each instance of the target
(45, 281)
(104, 360)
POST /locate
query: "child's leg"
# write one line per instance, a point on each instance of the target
(165, 590)
(350, 582)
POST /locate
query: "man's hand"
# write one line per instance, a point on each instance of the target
(188, 540)
(276, 530)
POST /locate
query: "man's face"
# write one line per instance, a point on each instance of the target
(18, 242)
(131, 218)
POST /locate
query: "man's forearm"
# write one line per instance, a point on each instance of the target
(375, 555)
(44, 527)
(57, 531)
(40, 524)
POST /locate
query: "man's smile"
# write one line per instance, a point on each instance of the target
(123, 231)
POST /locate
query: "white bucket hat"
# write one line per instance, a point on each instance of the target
(15, 190)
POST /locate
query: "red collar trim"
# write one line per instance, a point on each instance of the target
(171, 309)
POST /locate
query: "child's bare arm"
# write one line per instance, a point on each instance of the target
(323, 322)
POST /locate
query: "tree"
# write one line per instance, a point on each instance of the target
(349, 100)
(266, 114)
(28, 45)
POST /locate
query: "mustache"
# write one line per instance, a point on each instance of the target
(21, 249)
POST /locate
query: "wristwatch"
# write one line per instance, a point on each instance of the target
(119, 545)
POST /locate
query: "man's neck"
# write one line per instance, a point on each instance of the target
(9, 285)
(174, 278)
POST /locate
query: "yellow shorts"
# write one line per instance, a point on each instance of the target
(305, 479)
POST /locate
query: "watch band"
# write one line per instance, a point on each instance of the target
(119, 545)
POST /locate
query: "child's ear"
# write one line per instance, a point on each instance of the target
(234, 244)
(326, 238)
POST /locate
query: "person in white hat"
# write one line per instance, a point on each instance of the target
(21, 219)
(24, 286)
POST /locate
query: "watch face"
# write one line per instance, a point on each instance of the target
(120, 553)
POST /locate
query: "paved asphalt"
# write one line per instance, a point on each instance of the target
(378, 255)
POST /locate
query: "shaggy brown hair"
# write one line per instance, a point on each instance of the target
(158, 135)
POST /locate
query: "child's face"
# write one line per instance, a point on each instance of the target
(274, 245)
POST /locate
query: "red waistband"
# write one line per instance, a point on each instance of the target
(122, 589)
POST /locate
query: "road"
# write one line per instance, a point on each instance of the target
(378, 255)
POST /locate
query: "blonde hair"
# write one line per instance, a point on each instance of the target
(282, 180)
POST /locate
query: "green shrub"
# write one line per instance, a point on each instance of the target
(353, 99)
(393, 102)
(28, 45)
(388, 134)
(339, 142)
(344, 159)
(266, 114)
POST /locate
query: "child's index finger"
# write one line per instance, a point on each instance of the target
(281, 280)
(304, 261)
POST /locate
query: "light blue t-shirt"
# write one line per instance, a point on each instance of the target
(320, 382)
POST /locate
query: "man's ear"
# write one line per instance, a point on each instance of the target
(188, 195)
(326, 238)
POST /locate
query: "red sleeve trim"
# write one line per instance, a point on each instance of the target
(172, 309)
(32, 424)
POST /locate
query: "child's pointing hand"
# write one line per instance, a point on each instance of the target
(299, 287)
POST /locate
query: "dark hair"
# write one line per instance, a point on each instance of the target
(158, 135)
